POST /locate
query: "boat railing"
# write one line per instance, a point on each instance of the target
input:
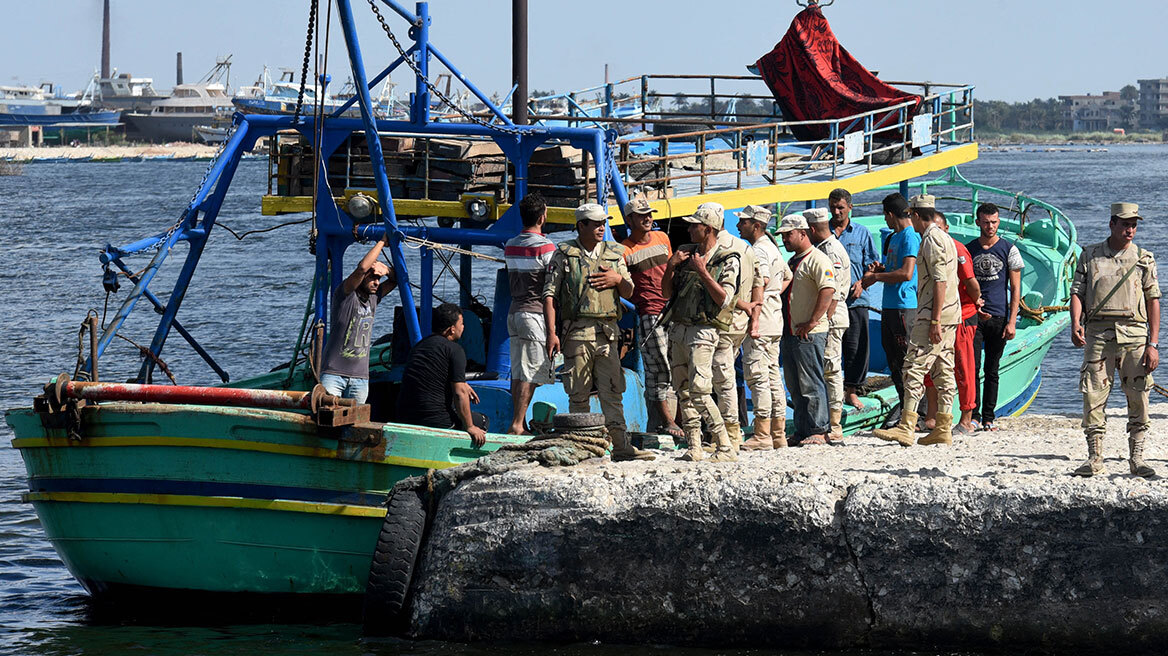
(662, 156)
(1025, 217)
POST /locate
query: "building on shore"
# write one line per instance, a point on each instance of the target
(1154, 102)
(1098, 113)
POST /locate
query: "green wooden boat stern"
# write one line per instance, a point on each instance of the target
(220, 499)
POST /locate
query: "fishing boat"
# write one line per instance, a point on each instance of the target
(269, 486)
(24, 105)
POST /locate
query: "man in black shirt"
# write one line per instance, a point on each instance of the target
(434, 391)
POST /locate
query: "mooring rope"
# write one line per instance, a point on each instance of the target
(551, 449)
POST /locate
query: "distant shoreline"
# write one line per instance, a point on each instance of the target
(1069, 139)
(175, 150)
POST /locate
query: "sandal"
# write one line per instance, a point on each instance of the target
(673, 431)
(813, 440)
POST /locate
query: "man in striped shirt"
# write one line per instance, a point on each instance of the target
(646, 252)
(528, 255)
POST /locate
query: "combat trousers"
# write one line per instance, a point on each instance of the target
(725, 381)
(1102, 355)
(760, 360)
(803, 369)
(596, 362)
(691, 359)
(924, 358)
(833, 374)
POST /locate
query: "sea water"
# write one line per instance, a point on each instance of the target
(245, 306)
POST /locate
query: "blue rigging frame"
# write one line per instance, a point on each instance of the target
(335, 227)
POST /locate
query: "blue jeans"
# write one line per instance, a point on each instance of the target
(346, 387)
(803, 372)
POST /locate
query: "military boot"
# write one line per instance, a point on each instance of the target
(623, 450)
(779, 432)
(1135, 443)
(901, 433)
(762, 436)
(837, 430)
(694, 453)
(942, 433)
(1094, 464)
(734, 433)
(725, 452)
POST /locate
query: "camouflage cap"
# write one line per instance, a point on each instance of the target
(792, 222)
(755, 212)
(705, 216)
(1125, 211)
(591, 212)
(923, 201)
(718, 211)
(817, 215)
(638, 206)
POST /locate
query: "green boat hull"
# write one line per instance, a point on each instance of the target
(220, 499)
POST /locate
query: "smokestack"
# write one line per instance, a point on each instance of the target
(519, 61)
(178, 69)
(105, 39)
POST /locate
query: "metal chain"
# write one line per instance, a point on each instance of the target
(187, 210)
(312, 11)
(433, 89)
(610, 168)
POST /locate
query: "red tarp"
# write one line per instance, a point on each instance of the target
(813, 77)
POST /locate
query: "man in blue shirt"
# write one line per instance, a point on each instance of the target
(998, 266)
(857, 241)
(898, 273)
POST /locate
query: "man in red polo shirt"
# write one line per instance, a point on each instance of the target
(964, 370)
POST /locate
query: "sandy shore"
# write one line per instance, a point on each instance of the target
(177, 149)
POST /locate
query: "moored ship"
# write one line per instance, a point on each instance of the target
(265, 486)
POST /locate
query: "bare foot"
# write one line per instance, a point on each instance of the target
(853, 399)
(673, 430)
(930, 424)
(517, 429)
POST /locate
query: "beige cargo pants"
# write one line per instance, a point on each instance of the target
(760, 361)
(926, 358)
(1102, 356)
(691, 356)
(724, 378)
(833, 371)
(596, 362)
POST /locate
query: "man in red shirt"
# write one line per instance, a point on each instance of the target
(646, 252)
(964, 370)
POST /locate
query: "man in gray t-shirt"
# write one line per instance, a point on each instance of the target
(345, 371)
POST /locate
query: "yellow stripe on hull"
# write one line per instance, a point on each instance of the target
(207, 502)
(211, 443)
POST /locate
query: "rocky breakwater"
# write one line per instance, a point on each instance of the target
(990, 543)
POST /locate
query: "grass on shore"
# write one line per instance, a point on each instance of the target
(1052, 138)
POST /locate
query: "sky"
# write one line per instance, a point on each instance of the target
(1009, 50)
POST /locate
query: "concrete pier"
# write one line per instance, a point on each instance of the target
(988, 544)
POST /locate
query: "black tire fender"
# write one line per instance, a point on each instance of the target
(386, 609)
(578, 420)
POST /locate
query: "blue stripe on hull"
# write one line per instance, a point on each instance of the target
(204, 489)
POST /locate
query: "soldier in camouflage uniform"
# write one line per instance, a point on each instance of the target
(934, 331)
(702, 281)
(1115, 315)
(586, 279)
(744, 319)
(819, 220)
